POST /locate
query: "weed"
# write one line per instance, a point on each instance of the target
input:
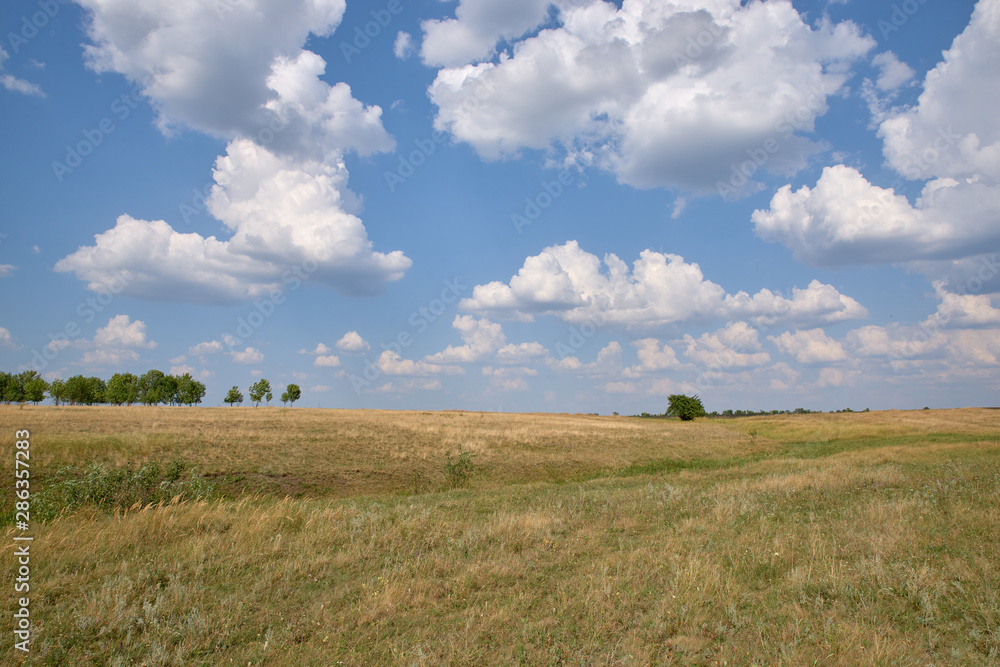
(458, 471)
(175, 470)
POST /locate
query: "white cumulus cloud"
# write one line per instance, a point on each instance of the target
(477, 25)
(352, 342)
(812, 346)
(14, 84)
(608, 362)
(204, 64)
(391, 363)
(893, 72)
(327, 361)
(237, 70)
(208, 347)
(249, 355)
(950, 139)
(653, 356)
(734, 346)
(120, 331)
(403, 46)
(661, 94)
(962, 310)
(574, 285)
(835, 377)
(482, 339)
(519, 353)
(845, 219)
(288, 222)
(117, 342)
(509, 378)
(895, 342)
(5, 338)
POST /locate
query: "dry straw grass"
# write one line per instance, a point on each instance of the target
(845, 540)
(351, 452)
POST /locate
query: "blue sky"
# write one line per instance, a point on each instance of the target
(524, 206)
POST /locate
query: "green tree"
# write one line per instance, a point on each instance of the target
(169, 389)
(80, 390)
(122, 389)
(234, 396)
(11, 390)
(33, 386)
(291, 394)
(197, 392)
(154, 388)
(5, 381)
(97, 390)
(189, 390)
(685, 407)
(57, 390)
(260, 390)
(77, 390)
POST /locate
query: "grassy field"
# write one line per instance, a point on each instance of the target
(336, 537)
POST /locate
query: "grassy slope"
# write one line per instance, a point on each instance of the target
(351, 452)
(815, 539)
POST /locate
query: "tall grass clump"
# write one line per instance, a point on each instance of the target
(112, 488)
(458, 471)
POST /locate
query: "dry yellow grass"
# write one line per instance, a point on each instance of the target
(349, 452)
(847, 540)
(967, 422)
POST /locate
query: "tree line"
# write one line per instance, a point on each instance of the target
(151, 388)
(28, 386)
(691, 406)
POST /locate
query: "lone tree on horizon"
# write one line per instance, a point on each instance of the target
(685, 407)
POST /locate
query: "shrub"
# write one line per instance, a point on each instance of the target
(458, 471)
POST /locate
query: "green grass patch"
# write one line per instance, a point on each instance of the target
(117, 488)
